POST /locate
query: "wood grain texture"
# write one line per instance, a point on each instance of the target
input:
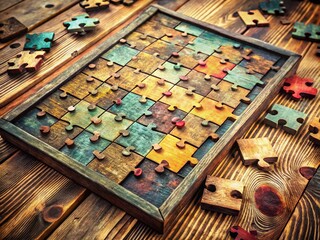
(6, 149)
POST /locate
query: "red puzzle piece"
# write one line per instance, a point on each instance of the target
(298, 86)
(238, 233)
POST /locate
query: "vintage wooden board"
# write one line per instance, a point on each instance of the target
(154, 198)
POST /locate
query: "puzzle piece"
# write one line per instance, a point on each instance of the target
(233, 54)
(274, 7)
(131, 107)
(304, 31)
(239, 76)
(181, 100)
(165, 20)
(40, 41)
(218, 39)
(189, 28)
(238, 233)
(314, 129)
(81, 115)
(120, 54)
(141, 138)
(224, 93)
(26, 61)
(81, 24)
(253, 18)
(139, 41)
(204, 46)
(154, 29)
(222, 195)
(162, 48)
(102, 69)
(11, 28)
(92, 5)
(171, 73)
(140, 62)
(215, 67)
(212, 111)
(194, 132)
(178, 38)
(82, 149)
(188, 58)
(175, 156)
(291, 120)
(257, 150)
(298, 86)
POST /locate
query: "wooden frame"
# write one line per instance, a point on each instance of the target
(162, 218)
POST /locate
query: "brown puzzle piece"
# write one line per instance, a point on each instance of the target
(139, 62)
(253, 18)
(258, 64)
(101, 70)
(26, 61)
(233, 54)
(91, 5)
(155, 29)
(179, 38)
(314, 130)
(11, 28)
(188, 58)
(222, 195)
(162, 49)
(139, 41)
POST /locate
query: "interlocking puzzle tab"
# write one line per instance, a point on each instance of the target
(40, 41)
(253, 18)
(274, 7)
(11, 28)
(92, 5)
(291, 120)
(314, 129)
(81, 24)
(234, 53)
(26, 61)
(304, 31)
(257, 150)
(299, 87)
(222, 195)
(215, 67)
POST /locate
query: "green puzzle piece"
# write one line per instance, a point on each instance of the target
(274, 7)
(82, 149)
(306, 31)
(131, 107)
(41, 41)
(171, 72)
(203, 45)
(239, 77)
(189, 28)
(120, 54)
(109, 128)
(218, 39)
(81, 23)
(141, 137)
(291, 120)
(81, 116)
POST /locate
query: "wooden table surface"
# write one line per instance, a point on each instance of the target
(38, 202)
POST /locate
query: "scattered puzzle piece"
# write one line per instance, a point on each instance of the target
(222, 195)
(40, 41)
(92, 5)
(304, 31)
(274, 7)
(291, 120)
(314, 129)
(120, 54)
(253, 18)
(238, 233)
(26, 61)
(81, 24)
(171, 73)
(175, 156)
(215, 67)
(299, 87)
(11, 28)
(257, 150)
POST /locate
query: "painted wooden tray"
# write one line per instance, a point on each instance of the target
(168, 95)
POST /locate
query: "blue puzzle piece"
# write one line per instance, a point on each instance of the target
(81, 24)
(120, 54)
(41, 41)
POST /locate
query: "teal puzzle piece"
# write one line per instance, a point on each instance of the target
(202, 45)
(81, 24)
(217, 39)
(189, 28)
(306, 31)
(41, 41)
(171, 72)
(274, 7)
(120, 54)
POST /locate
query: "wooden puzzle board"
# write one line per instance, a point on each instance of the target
(166, 80)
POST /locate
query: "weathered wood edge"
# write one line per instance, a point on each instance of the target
(113, 192)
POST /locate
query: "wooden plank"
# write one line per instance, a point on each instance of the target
(6, 149)
(7, 4)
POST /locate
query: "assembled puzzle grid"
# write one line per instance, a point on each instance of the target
(150, 108)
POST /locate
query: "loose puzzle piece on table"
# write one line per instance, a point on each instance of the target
(40, 41)
(314, 130)
(127, 78)
(120, 54)
(114, 165)
(109, 128)
(140, 62)
(162, 49)
(91, 5)
(162, 117)
(171, 72)
(299, 87)
(291, 120)
(240, 76)
(152, 186)
(154, 29)
(132, 107)
(257, 150)
(194, 132)
(141, 138)
(175, 156)
(222, 195)
(178, 38)
(182, 99)
(253, 18)
(188, 58)
(139, 41)
(233, 54)
(105, 96)
(81, 85)
(215, 67)
(101, 69)
(11, 28)
(189, 28)
(212, 111)
(274, 7)
(304, 31)
(224, 93)
(152, 88)
(81, 115)
(165, 20)
(26, 61)
(83, 148)
(204, 46)
(238, 233)
(81, 24)
(57, 103)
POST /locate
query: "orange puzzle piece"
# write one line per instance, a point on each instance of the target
(26, 60)
(314, 130)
